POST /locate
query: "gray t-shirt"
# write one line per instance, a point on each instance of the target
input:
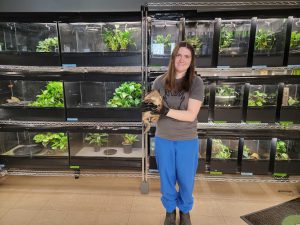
(170, 128)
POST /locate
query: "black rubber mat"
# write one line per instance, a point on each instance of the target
(287, 213)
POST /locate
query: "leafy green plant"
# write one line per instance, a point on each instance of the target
(226, 39)
(129, 139)
(161, 39)
(246, 152)
(295, 39)
(128, 94)
(96, 139)
(281, 153)
(225, 90)
(57, 141)
(220, 150)
(295, 72)
(257, 98)
(264, 40)
(195, 42)
(51, 97)
(47, 45)
(293, 101)
(117, 39)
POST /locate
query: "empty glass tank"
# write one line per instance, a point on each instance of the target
(224, 155)
(164, 35)
(287, 157)
(290, 109)
(269, 42)
(107, 101)
(229, 102)
(102, 44)
(256, 156)
(294, 54)
(31, 100)
(32, 149)
(234, 43)
(35, 43)
(200, 35)
(262, 103)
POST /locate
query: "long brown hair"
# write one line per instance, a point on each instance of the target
(170, 75)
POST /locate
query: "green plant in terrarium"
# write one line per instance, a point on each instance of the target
(295, 72)
(281, 153)
(225, 90)
(220, 150)
(226, 39)
(257, 98)
(128, 94)
(97, 139)
(293, 101)
(117, 39)
(51, 97)
(161, 39)
(195, 42)
(57, 141)
(264, 40)
(129, 139)
(246, 152)
(295, 39)
(47, 45)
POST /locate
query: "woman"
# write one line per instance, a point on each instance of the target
(176, 139)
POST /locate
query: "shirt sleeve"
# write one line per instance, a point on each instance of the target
(156, 83)
(197, 89)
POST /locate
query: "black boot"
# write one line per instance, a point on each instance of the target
(170, 218)
(185, 218)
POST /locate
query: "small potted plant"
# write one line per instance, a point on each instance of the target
(264, 41)
(281, 153)
(128, 140)
(97, 140)
(225, 95)
(117, 39)
(195, 42)
(257, 98)
(295, 41)
(226, 39)
(48, 45)
(161, 43)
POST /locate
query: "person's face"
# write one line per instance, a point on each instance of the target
(183, 60)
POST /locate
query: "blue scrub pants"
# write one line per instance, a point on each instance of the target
(177, 161)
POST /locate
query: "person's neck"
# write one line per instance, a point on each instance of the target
(180, 75)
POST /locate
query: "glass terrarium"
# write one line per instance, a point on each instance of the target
(256, 156)
(294, 54)
(31, 100)
(202, 155)
(203, 114)
(290, 109)
(287, 157)
(269, 42)
(25, 149)
(224, 155)
(234, 43)
(200, 35)
(101, 44)
(164, 35)
(229, 102)
(105, 101)
(103, 144)
(35, 43)
(262, 103)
